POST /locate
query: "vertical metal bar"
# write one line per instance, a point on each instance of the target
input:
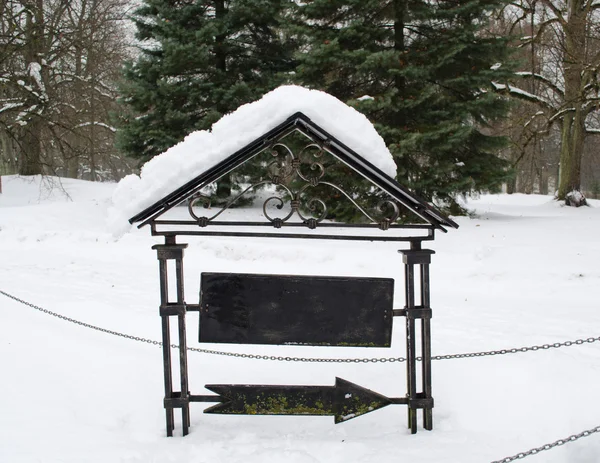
(411, 356)
(426, 347)
(166, 339)
(183, 369)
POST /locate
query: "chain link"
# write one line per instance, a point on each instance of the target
(515, 350)
(559, 442)
(510, 459)
(80, 323)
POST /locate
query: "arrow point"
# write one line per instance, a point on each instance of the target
(352, 400)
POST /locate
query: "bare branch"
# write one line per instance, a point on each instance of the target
(523, 95)
(556, 12)
(538, 35)
(540, 78)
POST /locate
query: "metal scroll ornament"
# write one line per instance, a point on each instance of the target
(287, 169)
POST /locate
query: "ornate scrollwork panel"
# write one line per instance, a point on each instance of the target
(301, 182)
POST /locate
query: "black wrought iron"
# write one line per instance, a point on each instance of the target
(301, 181)
(421, 258)
(173, 399)
(297, 236)
(344, 401)
(295, 177)
(322, 142)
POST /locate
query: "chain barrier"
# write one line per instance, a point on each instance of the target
(80, 323)
(559, 442)
(515, 350)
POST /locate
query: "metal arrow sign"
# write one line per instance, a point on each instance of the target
(344, 401)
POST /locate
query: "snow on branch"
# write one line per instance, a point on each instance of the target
(98, 124)
(561, 113)
(101, 88)
(591, 104)
(541, 29)
(531, 75)
(9, 106)
(591, 87)
(523, 95)
(35, 71)
(532, 118)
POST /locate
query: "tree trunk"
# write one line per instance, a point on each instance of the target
(223, 192)
(92, 73)
(30, 140)
(399, 47)
(31, 148)
(571, 151)
(511, 185)
(573, 128)
(8, 164)
(75, 147)
(543, 180)
(72, 164)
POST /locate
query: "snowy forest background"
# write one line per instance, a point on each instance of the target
(475, 95)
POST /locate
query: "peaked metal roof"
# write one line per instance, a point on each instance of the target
(302, 123)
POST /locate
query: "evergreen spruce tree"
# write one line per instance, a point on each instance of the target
(200, 59)
(422, 72)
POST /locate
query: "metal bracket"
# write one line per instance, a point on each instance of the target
(418, 312)
(177, 401)
(169, 251)
(172, 309)
(421, 401)
(413, 314)
(414, 257)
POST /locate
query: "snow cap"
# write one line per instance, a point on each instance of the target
(201, 150)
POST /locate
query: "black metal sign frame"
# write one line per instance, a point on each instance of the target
(296, 400)
(416, 310)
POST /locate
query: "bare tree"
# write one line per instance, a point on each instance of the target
(564, 83)
(59, 64)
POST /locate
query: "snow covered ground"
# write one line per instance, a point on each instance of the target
(525, 271)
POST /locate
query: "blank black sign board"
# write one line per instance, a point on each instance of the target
(289, 309)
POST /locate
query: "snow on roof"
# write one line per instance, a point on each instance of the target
(201, 150)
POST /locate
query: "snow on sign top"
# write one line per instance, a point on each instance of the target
(202, 150)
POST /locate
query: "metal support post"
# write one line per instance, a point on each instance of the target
(411, 355)
(173, 399)
(426, 346)
(422, 258)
